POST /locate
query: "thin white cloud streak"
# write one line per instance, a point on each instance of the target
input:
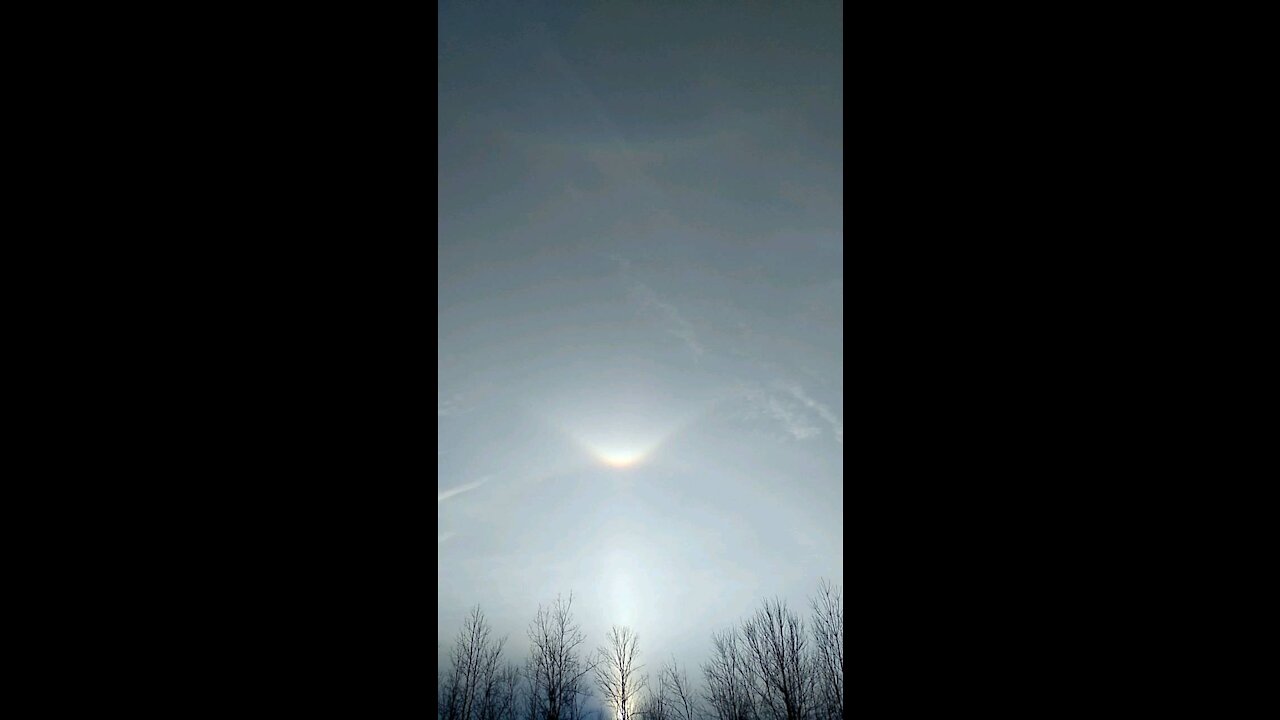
(837, 426)
(672, 321)
(445, 408)
(446, 494)
(464, 401)
(763, 403)
(440, 540)
(795, 423)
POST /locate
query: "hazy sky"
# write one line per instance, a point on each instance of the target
(641, 393)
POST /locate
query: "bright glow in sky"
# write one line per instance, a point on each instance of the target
(640, 380)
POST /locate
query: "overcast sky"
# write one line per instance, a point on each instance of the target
(641, 393)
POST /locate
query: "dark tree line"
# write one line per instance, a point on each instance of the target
(772, 665)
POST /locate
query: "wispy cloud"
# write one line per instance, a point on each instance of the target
(795, 422)
(671, 320)
(451, 492)
(448, 406)
(763, 403)
(444, 536)
(837, 426)
(466, 400)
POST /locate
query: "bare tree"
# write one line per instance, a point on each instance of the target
(681, 701)
(777, 647)
(506, 694)
(617, 674)
(556, 669)
(674, 698)
(828, 644)
(469, 691)
(729, 678)
(577, 693)
(655, 705)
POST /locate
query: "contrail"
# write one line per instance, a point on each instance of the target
(446, 494)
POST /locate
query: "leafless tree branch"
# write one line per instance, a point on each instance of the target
(555, 670)
(617, 674)
(828, 640)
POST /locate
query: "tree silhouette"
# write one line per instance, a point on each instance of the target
(655, 705)
(777, 648)
(617, 674)
(729, 678)
(470, 690)
(769, 666)
(828, 642)
(680, 699)
(555, 670)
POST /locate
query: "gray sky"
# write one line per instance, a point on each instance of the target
(641, 393)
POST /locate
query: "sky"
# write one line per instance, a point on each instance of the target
(641, 329)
